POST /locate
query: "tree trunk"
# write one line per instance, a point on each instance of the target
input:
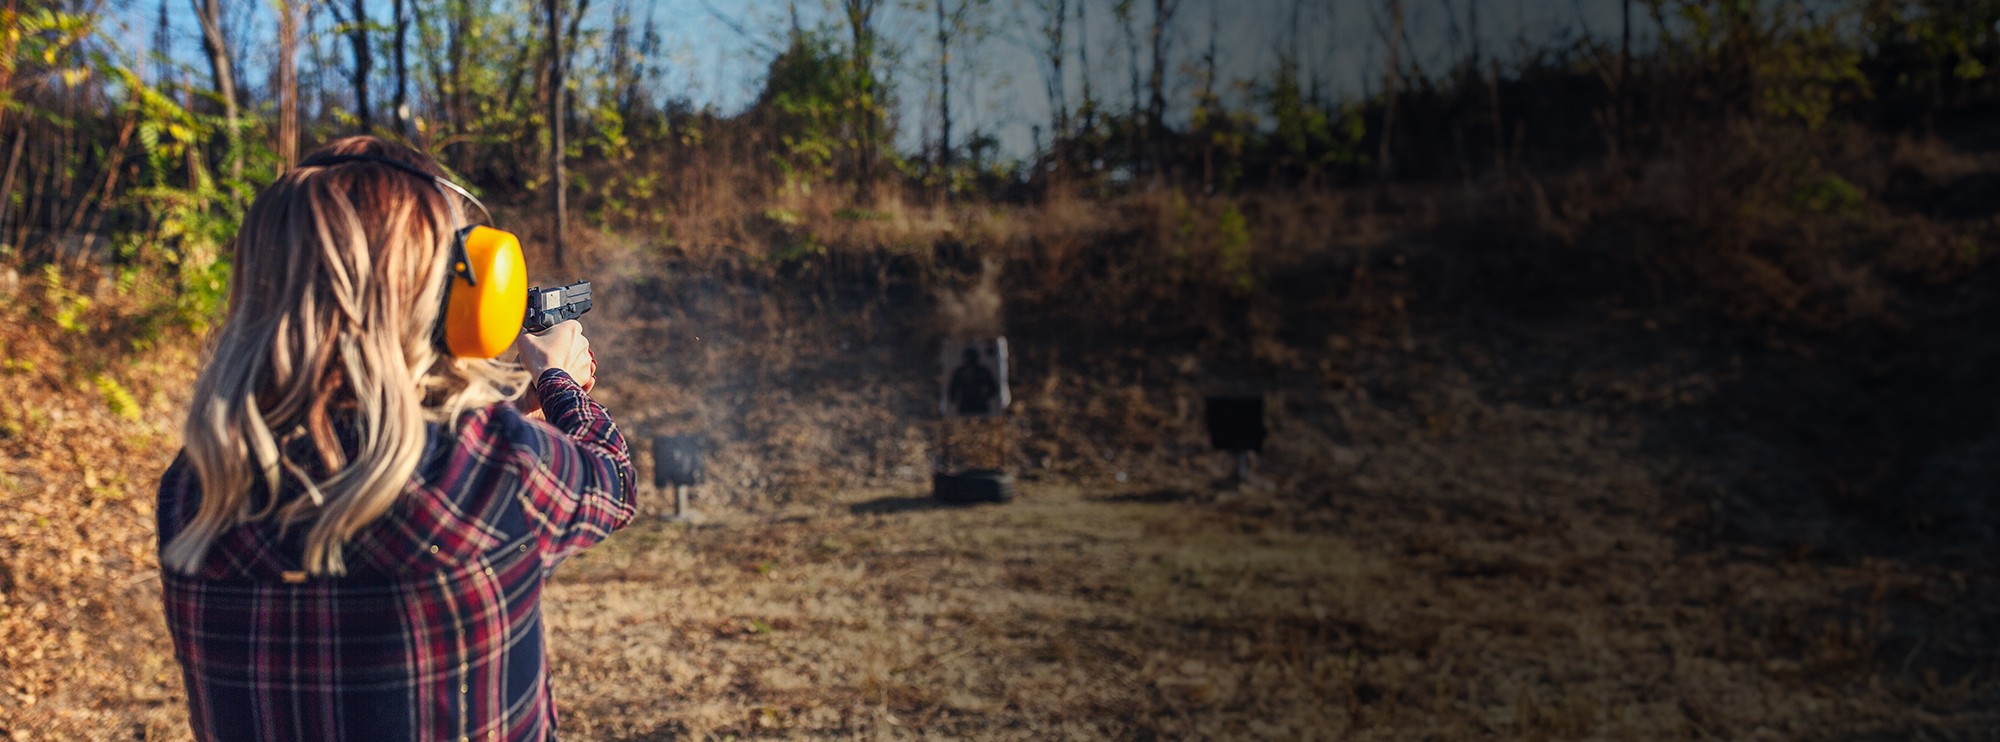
(944, 95)
(1625, 76)
(162, 39)
(209, 13)
(434, 58)
(7, 178)
(1208, 96)
(322, 60)
(620, 49)
(1156, 108)
(1083, 59)
(1306, 68)
(288, 84)
(861, 32)
(1394, 88)
(649, 49)
(401, 114)
(1055, 24)
(364, 62)
(456, 101)
(1133, 131)
(569, 48)
(1130, 21)
(556, 140)
(193, 151)
(1472, 26)
(1491, 79)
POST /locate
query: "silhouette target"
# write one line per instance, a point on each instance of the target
(972, 378)
(677, 460)
(1236, 423)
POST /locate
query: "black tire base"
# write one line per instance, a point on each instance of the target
(973, 485)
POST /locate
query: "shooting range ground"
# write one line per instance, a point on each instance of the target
(1614, 524)
(1077, 613)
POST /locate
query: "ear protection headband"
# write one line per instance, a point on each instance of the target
(486, 286)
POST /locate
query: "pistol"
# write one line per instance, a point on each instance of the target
(546, 307)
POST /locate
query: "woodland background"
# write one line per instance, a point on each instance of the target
(1629, 384)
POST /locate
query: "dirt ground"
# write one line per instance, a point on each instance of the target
(1163, 613)
(1596, 524)
(1415, 581)
(1469, 532)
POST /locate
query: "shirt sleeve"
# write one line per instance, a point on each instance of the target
(579, 475)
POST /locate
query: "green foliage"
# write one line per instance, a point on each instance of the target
(46, 43)
(852, 214)
(116, 397)
(1187, 226)
(801, 247)
(1225, 134)
(820, 106)
(66, 307)
(193, 211)
(1212, 240)
(1807, 70)
(785, 217)
(204, 292)
(1933, 47)
(1307, 136)
(1829, 194)
(791, 239)
(189, 242)
(823, 113)
(1232, 246)
(1791, 61)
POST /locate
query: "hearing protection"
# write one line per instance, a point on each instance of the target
(486, 286)
(486, 294)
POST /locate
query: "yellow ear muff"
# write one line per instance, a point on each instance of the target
(489, 293)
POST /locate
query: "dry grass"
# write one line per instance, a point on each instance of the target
(1527, 593)
(1479, 526)
(1059, 614)
(83, 648)
(1149, 612)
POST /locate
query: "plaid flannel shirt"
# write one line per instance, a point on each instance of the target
(436, 631)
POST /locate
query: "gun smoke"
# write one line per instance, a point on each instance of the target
(973, 311)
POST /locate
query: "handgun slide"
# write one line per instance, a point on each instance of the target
(546, 307)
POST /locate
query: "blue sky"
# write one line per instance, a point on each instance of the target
(717, 50)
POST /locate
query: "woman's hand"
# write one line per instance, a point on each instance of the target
(562, 346)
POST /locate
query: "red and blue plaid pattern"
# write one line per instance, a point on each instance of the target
(436, 631)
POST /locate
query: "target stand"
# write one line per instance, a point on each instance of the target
(973, 437)
(677, 462)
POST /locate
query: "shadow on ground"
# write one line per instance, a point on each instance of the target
(904, 504)
(1151, 497)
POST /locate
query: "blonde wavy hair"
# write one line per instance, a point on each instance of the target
(337, 287)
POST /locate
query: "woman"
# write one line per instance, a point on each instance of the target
(354, 539)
